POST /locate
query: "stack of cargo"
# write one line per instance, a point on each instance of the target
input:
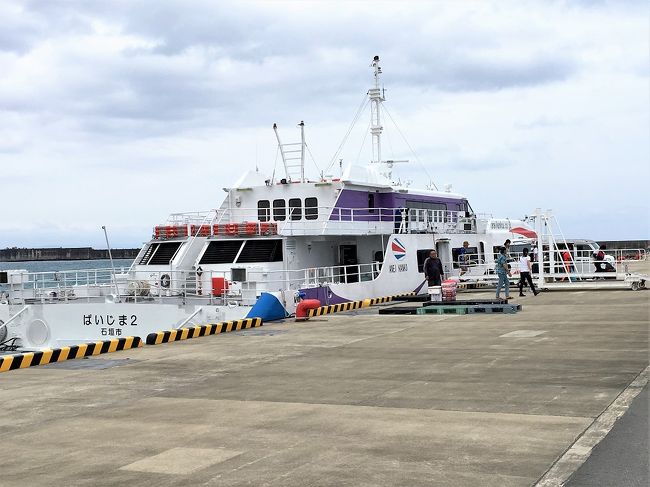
(449, 290)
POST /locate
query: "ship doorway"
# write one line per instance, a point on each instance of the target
(348, 261)
(443, 247)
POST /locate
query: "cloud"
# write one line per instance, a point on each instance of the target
(169, 62)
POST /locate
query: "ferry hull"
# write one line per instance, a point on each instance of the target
(49, 326)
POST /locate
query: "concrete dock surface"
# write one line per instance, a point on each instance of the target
(621, 458)
(354, 399)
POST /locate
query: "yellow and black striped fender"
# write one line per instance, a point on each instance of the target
(336, 308)
(350, 305)
(51, 355)
(201, 330)
(388, 299)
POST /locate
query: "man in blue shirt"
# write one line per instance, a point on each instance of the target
(501, 268)
(463, 258)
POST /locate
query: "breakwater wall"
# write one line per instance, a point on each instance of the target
(62, 253)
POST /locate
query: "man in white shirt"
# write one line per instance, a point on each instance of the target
(524, 273)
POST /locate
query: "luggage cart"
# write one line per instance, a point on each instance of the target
(636, 281)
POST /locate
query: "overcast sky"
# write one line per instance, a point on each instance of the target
(118, 113)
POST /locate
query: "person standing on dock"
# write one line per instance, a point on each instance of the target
(525, 269)
(463, 258)
(506, 245)
(501, 268)
(568, 266)
(433, 269)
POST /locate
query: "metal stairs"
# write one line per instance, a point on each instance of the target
(293, 155)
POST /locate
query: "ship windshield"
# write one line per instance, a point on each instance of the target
(231, 251)
(160, 253)
(221, 252)
(261, 251)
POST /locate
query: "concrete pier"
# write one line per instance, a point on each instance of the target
(352, 399)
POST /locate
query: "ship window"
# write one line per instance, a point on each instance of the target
(295, 209)
(221, 252)
(471, 255)
(160, 253)
(263, 250)
(516, 250)
(263, 210)
(583, 250)
(279, 210)
(435, 211)
(311, 208)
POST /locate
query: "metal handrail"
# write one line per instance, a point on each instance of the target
(13, 317)
(390, 220)
(189, 318)
(136, 285)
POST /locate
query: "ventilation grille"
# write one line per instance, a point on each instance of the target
(164, 253)
(221, 252)
(261, 251)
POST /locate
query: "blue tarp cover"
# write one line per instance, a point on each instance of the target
(268, 307)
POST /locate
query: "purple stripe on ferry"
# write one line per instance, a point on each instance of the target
(390, 202)
(324, 294)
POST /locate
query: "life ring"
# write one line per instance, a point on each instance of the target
(251, 228)
(232, 229)
(165, 281)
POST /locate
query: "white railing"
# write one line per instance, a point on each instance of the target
(59, 285)
(322, 219)
(579, 264)
(217, 287)
(189, 218)
(316, 276)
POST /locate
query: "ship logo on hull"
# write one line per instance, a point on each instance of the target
(399, 251)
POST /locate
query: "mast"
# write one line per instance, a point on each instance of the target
(375, 112)
(293, 158)
(302, 151)
(376, 98)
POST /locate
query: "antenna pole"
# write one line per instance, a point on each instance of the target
(376, 98)
(302, 151)
(110, 257)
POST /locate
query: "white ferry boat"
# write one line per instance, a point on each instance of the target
(334, 239)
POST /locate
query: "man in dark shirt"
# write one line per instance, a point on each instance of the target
(433, 269)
